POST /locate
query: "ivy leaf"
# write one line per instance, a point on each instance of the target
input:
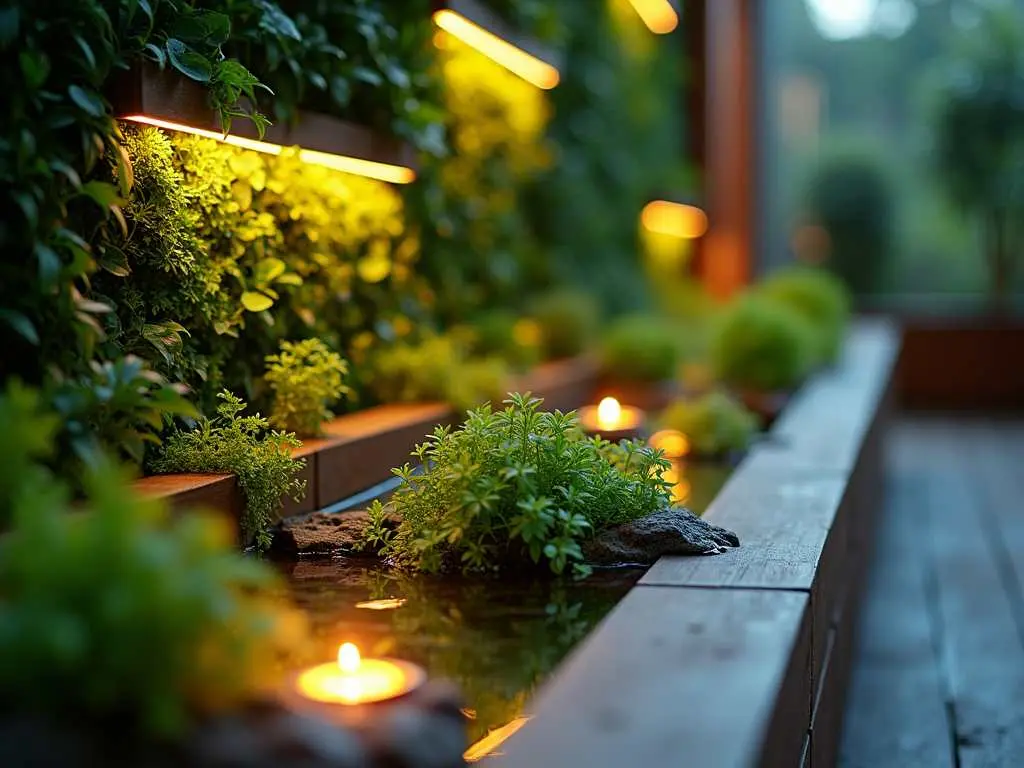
(276, 21)
(88, 101)
(166, 337)
(254, 301)
(20, 325)
(114, 261)
(188, 62)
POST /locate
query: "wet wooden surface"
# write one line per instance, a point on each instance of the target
(938, 676)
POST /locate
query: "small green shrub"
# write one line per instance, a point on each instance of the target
(245, 446)
(306, 378)
(714, 424)
(568, 322)
(437, 369)
(504, 334)
(762, 345)
(820, 297)
(517, 486)
(640, 348)
(122, 619)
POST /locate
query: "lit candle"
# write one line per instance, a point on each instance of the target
(354, 680)
(612, 420)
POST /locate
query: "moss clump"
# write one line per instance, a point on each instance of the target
(821, 298)
(761, 344)
(714, 424)
(640, 348)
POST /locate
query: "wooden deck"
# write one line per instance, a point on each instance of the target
(938, 676)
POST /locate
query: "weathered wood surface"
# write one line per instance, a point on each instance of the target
(939, 677)
(671, 677)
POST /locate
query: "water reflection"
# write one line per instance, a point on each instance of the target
(496, 638)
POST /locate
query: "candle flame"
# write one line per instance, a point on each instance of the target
(609, 413)
(348, 658)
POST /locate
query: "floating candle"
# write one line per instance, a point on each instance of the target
(355, 680)
(611, 420)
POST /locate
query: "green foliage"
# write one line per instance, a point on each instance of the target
(568, 320)
(715, 424)
(438, 368)
(851, 196)
(761, 344)
(821, 298)
(504, 334)
(517, 486)
(246, 447)
(306, 378)
(979, 135)
(28, 432)
(640, 348)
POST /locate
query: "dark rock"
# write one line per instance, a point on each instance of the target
(675, 531)
(323, 533)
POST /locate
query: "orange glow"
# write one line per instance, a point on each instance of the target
(684, 221)
(395, 174)
(673, 442)
(354, 680)
(515, 60)
(488, 745)
(680, 490)
(659, 15)
(384, 604)
(609, 413)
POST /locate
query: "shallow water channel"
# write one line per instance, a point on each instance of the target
(497, 638)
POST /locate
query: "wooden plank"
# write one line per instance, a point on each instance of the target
(895, 713)
(672, 676)
(984, 655)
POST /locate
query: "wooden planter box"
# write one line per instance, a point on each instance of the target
(358, 450)
(741, 659)
(962, 363)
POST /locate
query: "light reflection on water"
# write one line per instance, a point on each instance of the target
(496, 638)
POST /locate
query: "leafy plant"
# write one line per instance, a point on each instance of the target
(504, 334)
(640, 348)
(714, 424)
(135, 622)
(307, 378)
(820, 298)
(514, 487)
(979, 124)
(246, 447)
(568, 320)
(437, 368)
(762, 345)
(851, 197)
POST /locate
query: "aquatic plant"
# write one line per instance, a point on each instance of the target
(248, 448)
(514, 487)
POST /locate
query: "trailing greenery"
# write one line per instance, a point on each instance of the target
(821, 298)
(514, 487)
(438, 368)
(133, 622)
(763, 345)
(715, 424)
(248, 448)
(306, 378)
(568, 319)
(640, 348)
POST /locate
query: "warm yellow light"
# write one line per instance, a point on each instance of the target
(383, 604)
(514, 59)
(673, 442)
(395, 174)
(659, 15)
(487, 746)
(609, 413)
(348, 658)
(675, 219)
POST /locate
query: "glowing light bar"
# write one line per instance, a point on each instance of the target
(684, 221)
(659, 15)
(395, 174)
(515, 60)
